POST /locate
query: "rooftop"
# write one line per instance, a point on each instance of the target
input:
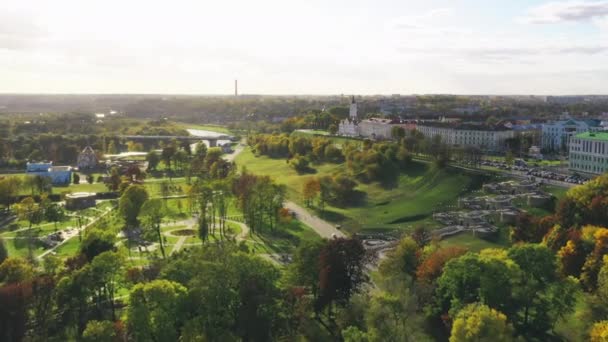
(464, 126)
(601, 136)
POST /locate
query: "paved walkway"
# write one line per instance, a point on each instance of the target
(323, 228)
(73, 233)
(178, 245)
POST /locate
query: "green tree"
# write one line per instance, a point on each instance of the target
(242, 303)
(9, 188)
(341, 264)
(3, 251)
(97, 241)
(15, 270)
(153, 159)
(106, 271)
(156, 311)
(130, 203)
(353, 334)
(402, 261)
(305, 269)
(475, 278)
(54, 213)
(99, 331)
(478, 322)
(151, 215)
(30, 211)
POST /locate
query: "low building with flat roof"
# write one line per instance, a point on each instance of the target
(589, 153)
(80, 200)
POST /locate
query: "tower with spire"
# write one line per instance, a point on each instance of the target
(353, 109)
(350, 125)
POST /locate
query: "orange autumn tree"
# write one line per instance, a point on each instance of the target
(310, 190)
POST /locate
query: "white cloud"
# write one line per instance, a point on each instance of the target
(576, 11)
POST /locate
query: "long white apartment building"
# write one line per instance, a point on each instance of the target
(589, 153)
(487, 138)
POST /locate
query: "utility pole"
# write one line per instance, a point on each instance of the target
(236, 88)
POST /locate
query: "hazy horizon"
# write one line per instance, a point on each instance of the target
(310, 48)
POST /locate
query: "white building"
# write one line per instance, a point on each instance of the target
(484, 137)
(350, 126)
(376, 128)
(589, 153)
(556, 136)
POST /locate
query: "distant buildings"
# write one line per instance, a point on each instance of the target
(375, 128)
(87, 159)
(59, 175)
(589, 153)
(350, 126)
(486, 138)
(556, 136)
(80, 200)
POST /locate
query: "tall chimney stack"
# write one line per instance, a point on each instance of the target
(236, 88)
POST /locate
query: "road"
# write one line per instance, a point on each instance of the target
(322, 227)
(237, 150)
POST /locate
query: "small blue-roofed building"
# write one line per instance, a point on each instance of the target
(59, 175)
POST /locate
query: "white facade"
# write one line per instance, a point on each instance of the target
(488, 140)
(353, 110)
(350, 126)
(589, 153)
(556, 136)
(376, 128)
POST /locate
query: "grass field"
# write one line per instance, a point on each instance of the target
(286, 238)
(419, 192)
(475, 244)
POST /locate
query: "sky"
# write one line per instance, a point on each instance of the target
(304, 46)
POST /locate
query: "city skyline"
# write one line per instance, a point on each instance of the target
(271, 47)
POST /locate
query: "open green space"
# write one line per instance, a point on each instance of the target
(285, 239)
(82, 187)
(419, 192)
(68, 249)
(474, 243)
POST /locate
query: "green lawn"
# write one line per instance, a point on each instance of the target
(82, 187)
(18, 248)
(285, 239)
(474, 243)
(418, 193)
(69, 248)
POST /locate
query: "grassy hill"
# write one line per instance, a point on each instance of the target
(418, 193)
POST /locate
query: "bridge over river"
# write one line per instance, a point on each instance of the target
(212, 137)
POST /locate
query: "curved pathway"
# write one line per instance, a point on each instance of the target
(323, 228)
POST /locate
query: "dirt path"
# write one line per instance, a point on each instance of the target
(322, 227)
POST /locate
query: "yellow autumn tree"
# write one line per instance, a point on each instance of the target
(599, 332)
(478, 322)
